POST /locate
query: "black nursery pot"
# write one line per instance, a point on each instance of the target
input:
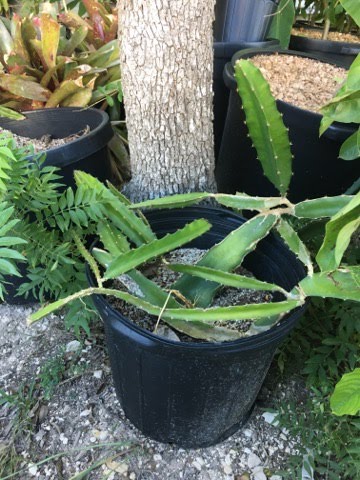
(87, 153)
(196, 394)
(223, 53)
(341, 53)
(243, 20)
(318, 171)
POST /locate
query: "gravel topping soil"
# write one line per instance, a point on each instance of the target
(333, 36)
(83, 412)
(303, 82)
(46, 142)
(165, 277)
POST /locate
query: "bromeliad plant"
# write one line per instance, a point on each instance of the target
(66, 62)
(128, 241)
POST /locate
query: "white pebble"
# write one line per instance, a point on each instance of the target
(253, 460)
(248, 433)
(132, 476)
(271, 418)
(227, 469)
(259, 474)
(85, 413)
(196, 465)
(73, 346)
(33, 470)
(98, 373)
(157, 457)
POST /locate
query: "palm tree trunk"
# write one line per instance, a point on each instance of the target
(167, 70)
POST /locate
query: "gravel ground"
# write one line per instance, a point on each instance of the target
(84, 412)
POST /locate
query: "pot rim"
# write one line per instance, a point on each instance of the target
(103, 115)
(277, 331)
(329, 43)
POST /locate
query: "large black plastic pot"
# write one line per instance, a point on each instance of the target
(341, 53)
(243, 20)
(87, 153)
(223, 52)
(317, 169)
(196, 394)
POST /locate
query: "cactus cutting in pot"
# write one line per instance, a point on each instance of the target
(192, 394)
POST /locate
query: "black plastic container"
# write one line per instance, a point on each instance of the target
(223, 52)
(317, 169)
(87, 153)
(243, 20)
(196, 394)
(341, 53)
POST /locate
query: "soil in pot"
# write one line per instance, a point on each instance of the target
(45, 142)
(332, 36)
(165, 278)
(301, 81)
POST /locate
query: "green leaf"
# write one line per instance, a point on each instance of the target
(173, 201)
(10, 253)
(225, 278)
(266, 128)
(350, 149)
(282, 22)
(113, 240)
(226, 256)
(327, 258)
(321, 207)
(345, 110)
(242, 201)
(9, 113)
(113, 208)
(146, 252)
(8, 268)
(325, 124)
(352, 8)
(343, 239)
(295, 244)
(22, 87)
(242, 312)
(346, 397)
(343, 284)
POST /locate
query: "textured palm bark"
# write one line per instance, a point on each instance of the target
(167, 71)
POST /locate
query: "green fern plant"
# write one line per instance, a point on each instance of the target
(44, 238)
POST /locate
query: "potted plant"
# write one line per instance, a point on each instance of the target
(87, 133)
(197, 394)
(332, 46)
(317, 168)
(78, 68)
(51, 219)
(243, 20)
(239, 25)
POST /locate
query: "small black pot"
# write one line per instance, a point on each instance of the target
(87, 153)
(223, 52)
(243, 20)
(341, 53)
(317, 169)
(196, 394)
